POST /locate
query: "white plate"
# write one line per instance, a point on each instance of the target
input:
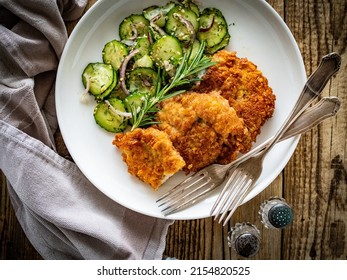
(257, 32)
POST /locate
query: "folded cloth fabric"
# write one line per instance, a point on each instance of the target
(62, 213)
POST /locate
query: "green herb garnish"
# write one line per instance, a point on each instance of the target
(185, 74)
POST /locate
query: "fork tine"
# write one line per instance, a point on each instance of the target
(236, 188)
(180, 188)
(224, 190)
(172, 200)
(236, 202)
(189, 199)
(186, 193)
(228, 193)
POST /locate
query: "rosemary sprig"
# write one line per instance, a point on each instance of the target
(185, 74)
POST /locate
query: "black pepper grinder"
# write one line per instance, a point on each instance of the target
(275, 213)
(244, 238)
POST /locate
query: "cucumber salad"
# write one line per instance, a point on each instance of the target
(160, 53)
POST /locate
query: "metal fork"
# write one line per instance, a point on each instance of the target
(241, 180)
(201, 183)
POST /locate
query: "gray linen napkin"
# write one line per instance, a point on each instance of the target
(62, 213)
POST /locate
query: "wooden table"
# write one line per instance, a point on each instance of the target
(314, 182)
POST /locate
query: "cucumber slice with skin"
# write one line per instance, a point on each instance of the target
(154, 33)
(114, 53)
(133, 26)
(102, 78)
(151, 11)
(117, 92)
(213, 27)
(194, 7)
(191, 5)
(134, 101)
(220, 46)
(107, 119)
(155, 11)
(144, 61)
(167, 53)
(160, 12)
(143, 80)
(182, 23)
(143, 45)
(192, 50)
(107, 92)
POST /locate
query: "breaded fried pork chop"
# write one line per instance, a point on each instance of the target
(199, 125)
(149, 154)
(219, 118)
(246, 90)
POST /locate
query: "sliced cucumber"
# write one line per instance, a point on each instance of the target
(167, 53)
(134, 101)
(143, 80)
(133, 26)
(117, 92)
(220, 46)
(155, 33)
(168, 7)
(182, 23)
(143, 45)
(192, 50)
(213, 27)
(191, 5)
(144, 61)
(160, 12)
(194, 7)
(108, 91)
(151, 11)
(155, 11)
(114, 53)
(101, 77)
(106, 117)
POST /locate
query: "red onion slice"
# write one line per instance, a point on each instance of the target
(187, 23)
(123, 69)
(205, 29)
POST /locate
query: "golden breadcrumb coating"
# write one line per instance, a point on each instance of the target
(199, 125)
(219, 118)
(149, 154)
(246, 90)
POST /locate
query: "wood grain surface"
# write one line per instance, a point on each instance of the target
(314, 182)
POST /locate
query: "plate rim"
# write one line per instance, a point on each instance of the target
(291, 148)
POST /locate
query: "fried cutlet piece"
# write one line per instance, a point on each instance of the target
(198, 126)
(246, 90)
(149, 154)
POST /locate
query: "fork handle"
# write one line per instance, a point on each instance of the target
(325, 108)
(328, 66)
(316, 82)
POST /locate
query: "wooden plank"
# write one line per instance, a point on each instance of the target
(315, 179)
